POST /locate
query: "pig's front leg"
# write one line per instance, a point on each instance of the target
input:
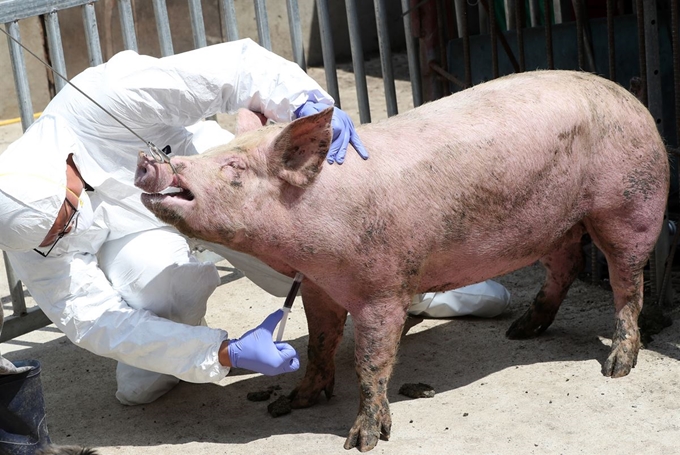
(326, 323)
(378, 325)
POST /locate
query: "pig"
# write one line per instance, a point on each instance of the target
(459, 190)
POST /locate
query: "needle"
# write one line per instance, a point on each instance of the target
(289, 303)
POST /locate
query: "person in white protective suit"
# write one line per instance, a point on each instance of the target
(113, 278)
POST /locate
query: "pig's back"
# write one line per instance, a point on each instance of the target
(515, 161)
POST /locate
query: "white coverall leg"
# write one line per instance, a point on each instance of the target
(154, 270)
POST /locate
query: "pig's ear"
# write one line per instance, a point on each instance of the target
(247, 120)
(301, 148)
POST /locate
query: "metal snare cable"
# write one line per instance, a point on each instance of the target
(155, 153)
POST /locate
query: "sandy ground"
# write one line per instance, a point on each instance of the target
(493, 395)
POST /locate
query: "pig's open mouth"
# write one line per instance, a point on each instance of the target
(178, 192)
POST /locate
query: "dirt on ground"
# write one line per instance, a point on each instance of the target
(491, 395)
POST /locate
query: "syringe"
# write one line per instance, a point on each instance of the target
(290, 298)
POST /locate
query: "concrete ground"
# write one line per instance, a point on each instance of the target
(493, 395)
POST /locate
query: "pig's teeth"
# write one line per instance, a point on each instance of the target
(171, 190)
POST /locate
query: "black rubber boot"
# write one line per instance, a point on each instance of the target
(23, 428)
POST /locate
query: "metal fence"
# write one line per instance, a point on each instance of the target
(450, 45)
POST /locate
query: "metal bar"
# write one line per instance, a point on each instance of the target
(358, 61)
(534, 12)
(675, 23)
(519, 12)
(548, 34)
(327, 50)
(16, 289)
(14, 10)
(262, 24)
(557, 11)
(94, 48)
(160, 11)
(654, 104)
(127, 24)
(17, 325)
(20, 73)
(56, 48)
(197, 24)
(640, 12)
(385, 57)
(611, 49)
(229, 24)
(496, 32)
(295, 26)
(446, 75)
(460, 18)
(466, 48)
(442, 39)
(412, 51)
(494, 41)
(579, 34)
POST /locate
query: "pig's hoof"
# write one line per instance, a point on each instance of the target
(529, 325)
(366, 432)
(621, 360)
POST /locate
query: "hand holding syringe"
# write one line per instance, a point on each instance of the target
(288, 303)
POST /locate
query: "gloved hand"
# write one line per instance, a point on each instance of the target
(256, 351)
(343, 131)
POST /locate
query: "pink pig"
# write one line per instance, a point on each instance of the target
(457, 191)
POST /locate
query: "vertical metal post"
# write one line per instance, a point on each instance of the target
(548, 34)
(675, 24)
(295, 27)
(197, 24)
(229, 24)
(15, 289)
(654, 104)
(262, 24)
(519, 11)
(56, 48)
(327, 50)
(16, 54)
(494, 40)
(534, 13)
(640, 13)
(611, 49)
(412, 52)
(385, 57)
(94, 48)
(160, 11)
(127, 23)
(358, 61)
(579, 34)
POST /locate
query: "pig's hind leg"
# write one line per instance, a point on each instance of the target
(326, 323)
(626, 243)
(562, 267)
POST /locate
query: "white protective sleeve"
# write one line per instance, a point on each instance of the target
(158, 98)
(93, 316)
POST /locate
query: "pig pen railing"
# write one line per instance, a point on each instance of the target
(450, 45)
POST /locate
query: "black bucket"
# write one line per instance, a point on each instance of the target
(23, 428)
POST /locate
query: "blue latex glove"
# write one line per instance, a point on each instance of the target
(343, 132)
(256, 351)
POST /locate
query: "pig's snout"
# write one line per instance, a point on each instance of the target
(152, 176)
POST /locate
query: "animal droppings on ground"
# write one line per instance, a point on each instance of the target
(279, 407)
(419, 390)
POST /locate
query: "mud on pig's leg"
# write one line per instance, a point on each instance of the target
(377, 331)
(326, 323)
